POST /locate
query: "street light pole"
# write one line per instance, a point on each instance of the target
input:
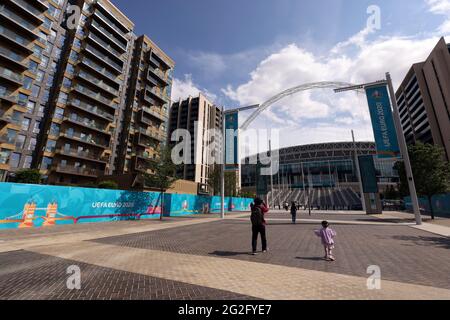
(358, 173)
(222, 173)
(404, 151)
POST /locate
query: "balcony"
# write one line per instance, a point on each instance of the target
(13, 58)
(104, 45)
(155, 114)
(110, 24)
(91, 109)
(89, 139)
(31, 10)
(99, 83)
(109, 36)
(15, 39)
(7, 139)
(95, 96)
(158, 94)
(152, 134)
(90, 124)
(7, 96)
(78, 171)
(113, 18)
(11, 76)
(157, 60)
(93, 156)
(101, 56)
(160, 75)
(18, 21)
(100, 71)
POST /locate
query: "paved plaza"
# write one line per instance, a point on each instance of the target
(202, 257)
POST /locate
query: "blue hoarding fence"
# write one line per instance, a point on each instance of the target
(27, 206)
(441, 205)
(382, 121)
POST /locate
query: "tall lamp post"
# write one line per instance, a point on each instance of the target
(400, 137)
(224, 161)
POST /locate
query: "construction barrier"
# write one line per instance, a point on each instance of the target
(441, 205)
(31, 206)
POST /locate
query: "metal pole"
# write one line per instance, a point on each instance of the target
(358, 173)
(222, 171)
(271, 173)
(404, 151)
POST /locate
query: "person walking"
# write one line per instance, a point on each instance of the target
(259, 209)
(327, 235)
(294, 212)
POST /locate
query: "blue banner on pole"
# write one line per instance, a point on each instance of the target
(231, 141)
(382, 121)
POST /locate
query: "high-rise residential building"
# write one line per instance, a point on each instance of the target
(147, 109)
(424, 100)
(68, 100)
(23, 28)
(200, 117)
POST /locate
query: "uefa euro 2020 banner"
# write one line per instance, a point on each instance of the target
(382, 121)
(33, 206)
(231, 141)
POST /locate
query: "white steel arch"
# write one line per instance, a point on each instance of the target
(292, 91)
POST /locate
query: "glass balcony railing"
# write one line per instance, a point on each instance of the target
(91, 109)
(79, 170)
(83, 154)
(104, 45)
(110, 23)
(18, 19)
(7, 139)
(14, 37)
(11, 55)
(155, 113)
(7, 95)
(14, 76)
(153, 134)
(109, 35)
(95, 96)
(88, 139)
(158, 93)
(27, 7)
(104, 58)
(86, 122)
(97, 82)
(99, 69)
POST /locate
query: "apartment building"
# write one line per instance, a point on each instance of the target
(66, 111)
(147, 109)
(22, 28)
(199, 116)
(424, 99)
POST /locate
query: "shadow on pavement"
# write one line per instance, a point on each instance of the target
(426, 241)
(229, 253)
(310, 258)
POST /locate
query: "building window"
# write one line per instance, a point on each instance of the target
(27, 82)
(26, 124)
(37, 127)
(51, 146)
(32, 144)
(27, 162)
(59, 113)
(23, 99)
(54, 129)
(20, 141)
(46, 163)
(35, 91)
(14, 160)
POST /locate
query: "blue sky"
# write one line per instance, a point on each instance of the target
(245, 51)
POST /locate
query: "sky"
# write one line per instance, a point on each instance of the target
(243, 52)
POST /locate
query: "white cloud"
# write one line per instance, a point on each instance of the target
(182, 89)
(357, 60)
(441, 7)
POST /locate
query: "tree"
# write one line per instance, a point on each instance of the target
(163, 173)
(214, 179)
(230, 184)
(430, 169)
(108, 185)
(30, 176)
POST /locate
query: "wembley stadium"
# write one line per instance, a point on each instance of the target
(328, 170)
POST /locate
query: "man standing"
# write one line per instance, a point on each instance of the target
(259, 209)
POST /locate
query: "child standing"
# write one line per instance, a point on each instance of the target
(327, 236)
